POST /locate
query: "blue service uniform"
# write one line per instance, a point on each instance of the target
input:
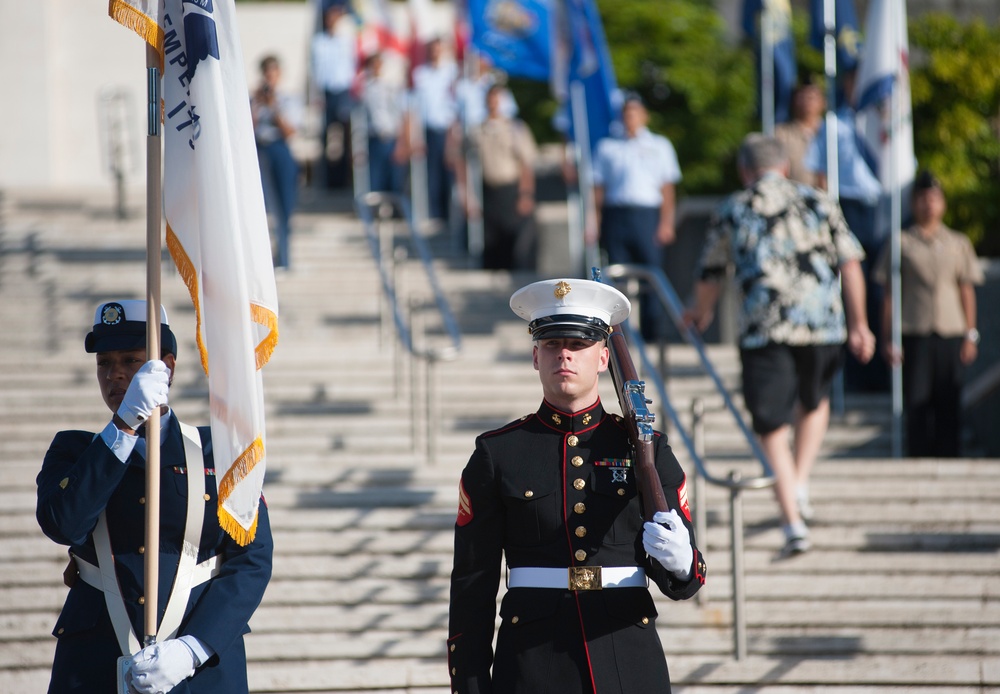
(80, 477)
(556, 489)
(632, 171)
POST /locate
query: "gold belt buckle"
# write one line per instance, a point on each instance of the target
(585, 578)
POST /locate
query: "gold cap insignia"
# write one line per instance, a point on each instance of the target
(562, 289)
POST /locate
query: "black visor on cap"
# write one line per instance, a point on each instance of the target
(127, 335)
(568, 325)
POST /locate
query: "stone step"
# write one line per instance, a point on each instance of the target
(899, 594)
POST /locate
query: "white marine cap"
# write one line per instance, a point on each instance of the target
(570, 308)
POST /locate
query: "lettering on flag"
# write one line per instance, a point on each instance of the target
(217, 230)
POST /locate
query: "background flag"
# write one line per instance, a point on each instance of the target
(785, 69)
(217, 234)
(884, 69)
(514, 34)
(845, 29)
(581, 55)
(376, 33)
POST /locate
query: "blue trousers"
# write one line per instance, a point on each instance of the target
(438, 176)
(337, 110)
(628, 235)
(280, 176)
(384, 173)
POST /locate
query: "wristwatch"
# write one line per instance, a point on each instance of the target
(972, 335)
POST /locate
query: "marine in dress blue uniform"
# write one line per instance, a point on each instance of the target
(554, 494)
(83, 475)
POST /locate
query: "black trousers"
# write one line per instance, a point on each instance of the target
(508, 242)
(933, 375)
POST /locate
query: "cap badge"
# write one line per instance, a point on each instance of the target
(112, 314)
(562, 289)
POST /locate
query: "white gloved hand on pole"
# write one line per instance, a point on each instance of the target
(159, 668)
(667, 540)
(147, 391)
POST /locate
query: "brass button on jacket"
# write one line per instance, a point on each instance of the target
(577, 461)
(573, 440)
(579, 484)
(580, 555)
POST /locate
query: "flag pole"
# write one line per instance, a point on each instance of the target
(830, 68)
(767, 69)
(153, 254)
(585, 172)
(895, 228)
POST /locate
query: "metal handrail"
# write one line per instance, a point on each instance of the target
(374, 208)
(383, 203)
(657, 280)
(734, 483)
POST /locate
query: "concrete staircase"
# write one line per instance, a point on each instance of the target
(901, 593)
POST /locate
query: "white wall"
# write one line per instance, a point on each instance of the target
(58, 56)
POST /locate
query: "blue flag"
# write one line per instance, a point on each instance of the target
(590, 65)
(514, 34)
(785, 69)
(845, 30)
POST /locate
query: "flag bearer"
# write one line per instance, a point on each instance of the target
(91, 497)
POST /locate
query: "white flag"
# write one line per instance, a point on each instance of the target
(883, 72)
(217, 234)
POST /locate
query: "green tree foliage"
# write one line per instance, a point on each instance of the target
(699, 90)
(955, 82)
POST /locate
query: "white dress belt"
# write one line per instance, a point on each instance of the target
(577, 577)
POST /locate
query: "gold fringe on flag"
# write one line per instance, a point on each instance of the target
(268, 319)
(131, 18)
(187, 272)
(259, 314)
(240, 469)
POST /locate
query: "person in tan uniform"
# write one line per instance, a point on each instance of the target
(808, 107)
(507, 151)
(938, 271)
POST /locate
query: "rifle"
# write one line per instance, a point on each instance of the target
(639, 422)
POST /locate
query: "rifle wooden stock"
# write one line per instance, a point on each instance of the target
(632, 398)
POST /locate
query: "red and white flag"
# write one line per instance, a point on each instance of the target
(217, 229)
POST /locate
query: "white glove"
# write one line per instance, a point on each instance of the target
(159, 668)
(668, 541)
(147, 391)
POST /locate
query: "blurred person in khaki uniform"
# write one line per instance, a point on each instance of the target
(508, 152)
(938, 274)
